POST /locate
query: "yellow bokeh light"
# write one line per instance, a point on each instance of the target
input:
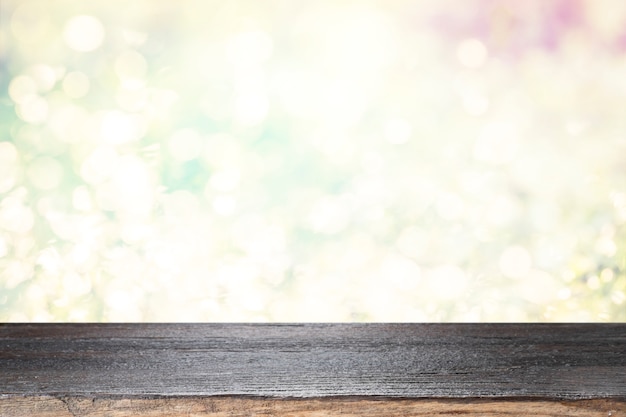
(45, 77)
(76, 84)
(224, 205)
(33, 109)
(471, 53)
(397, 131)
(185, 144)
(83, 33)
(250, 108)
(15, 216)
(132, 186)
(447, 281)
(118, 127)
(497, 143)
(249, 48)
(130, 65)
(45, 173)
(226, 180)
(515, 262)
(22, 88)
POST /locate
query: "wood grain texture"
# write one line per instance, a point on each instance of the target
(335, 406)
(538, 362)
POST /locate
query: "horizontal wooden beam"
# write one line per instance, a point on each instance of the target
(304, 369)
(307, 407)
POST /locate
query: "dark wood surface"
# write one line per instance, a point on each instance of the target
(414, 361)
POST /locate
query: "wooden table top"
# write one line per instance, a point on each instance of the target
(546, 361)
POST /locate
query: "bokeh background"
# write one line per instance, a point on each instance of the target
(312, 160)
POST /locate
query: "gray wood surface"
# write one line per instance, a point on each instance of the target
(550, 361)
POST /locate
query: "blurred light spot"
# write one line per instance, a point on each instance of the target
(501, 211)
(45, 173)
(4, 247)
(181, 205)
(544, 215)
(400, 272)
(9, 164)
(413, 242)
(450, 206)
(447, 282)
(618, 297)
(185, 145)
(117, 127)
(336, 145)
(250, 109)
(397, 131)
(75, 84)
(79, 315)
(132, 97)
(130, 65)
(134, 38)
(69, 123)
(23, 246)
(75, 285)
(298, 92)
(342, 104)
(606, 246)
(21, 88)
(328, 216)
(135, 232)
(576, 127)
(45, 77)
(224, 205)
(618, 199)
(160, 103)
(593, 282)
(260, 239)
(471, 53)
(497, 143)
(15, 216)
(515, 262)
(132, 186)
(83, 33)
(99, 165)
(372, 163)
(81, 199)
(15, 272)
(249, 80)
(33, 109)
(539, 287)
(122, 303)
(225, 181)
(250, 48)
(607, 275)
(564, 294)
(50, 260)
(358, 42)
(475, 104)
(373, 214)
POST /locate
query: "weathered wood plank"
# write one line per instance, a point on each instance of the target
(335, 406)
(312, 369)
(569, 361)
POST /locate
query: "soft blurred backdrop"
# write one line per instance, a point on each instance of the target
(289, 160)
